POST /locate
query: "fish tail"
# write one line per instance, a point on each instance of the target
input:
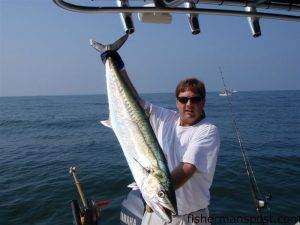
(112, 47)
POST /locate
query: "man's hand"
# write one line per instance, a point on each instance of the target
(117, 58)
(182, 173)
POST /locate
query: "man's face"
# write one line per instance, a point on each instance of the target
(190, 107)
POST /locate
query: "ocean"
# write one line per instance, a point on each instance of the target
(42, 137)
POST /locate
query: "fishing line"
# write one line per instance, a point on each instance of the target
(259, 201)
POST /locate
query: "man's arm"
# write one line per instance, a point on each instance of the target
(182, 173)
(132, 88)
(121, 66)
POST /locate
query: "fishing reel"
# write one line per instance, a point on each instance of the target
(85, 215)
(263, 203)
(89, 212)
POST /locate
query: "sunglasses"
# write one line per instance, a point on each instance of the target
(184, 100)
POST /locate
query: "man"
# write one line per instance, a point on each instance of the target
(191, 145)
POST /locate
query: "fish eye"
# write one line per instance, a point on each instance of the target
(149, 170)
(161, 194)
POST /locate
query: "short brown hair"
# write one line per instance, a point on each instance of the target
(192, 84)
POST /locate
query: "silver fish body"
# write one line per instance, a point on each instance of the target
(139, 144)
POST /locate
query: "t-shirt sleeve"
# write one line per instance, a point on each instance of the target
(158, 115)
(203, 149)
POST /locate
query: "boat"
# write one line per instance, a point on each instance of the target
(227, 92)
(132, 207)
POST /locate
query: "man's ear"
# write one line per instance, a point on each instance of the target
(177, 103)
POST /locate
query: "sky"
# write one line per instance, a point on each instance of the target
(44, 50)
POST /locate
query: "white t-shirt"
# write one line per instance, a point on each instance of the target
(198, 145)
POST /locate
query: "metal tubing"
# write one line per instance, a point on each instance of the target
(278, 5)
(133, 9)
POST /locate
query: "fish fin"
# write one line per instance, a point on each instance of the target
(112, 47)
(133, 186)
(118, 43)
(106, 123)
(98, 46)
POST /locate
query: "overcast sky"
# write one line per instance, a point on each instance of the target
(44, 50)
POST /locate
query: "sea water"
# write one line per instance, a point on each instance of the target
(42, 137)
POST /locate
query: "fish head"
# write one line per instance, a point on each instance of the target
(160, 197)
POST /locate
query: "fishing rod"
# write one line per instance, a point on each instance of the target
(259, 201)
(89, 213)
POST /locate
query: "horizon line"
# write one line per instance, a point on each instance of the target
(87, 94)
